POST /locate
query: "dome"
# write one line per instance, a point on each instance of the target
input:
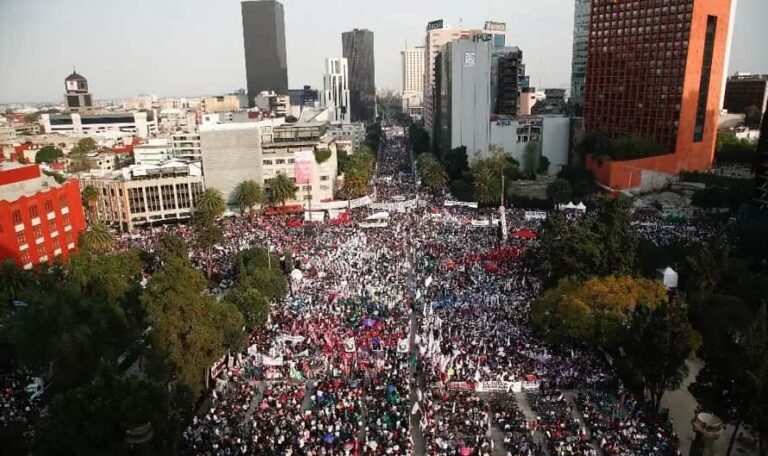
(75, 77)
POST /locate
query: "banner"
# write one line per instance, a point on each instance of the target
(303, 166)
(373, 224)
(349, 345)
(292, 339)
(314, 216)
(400, 206)
(360, 202)
(341, 204)
(402, 346)
(481, 223)
(450, 203)
(517, 387)
(503, 215)
(459, 386)
(535, 215)
(494, 387)
(269, 361)
(338, 214)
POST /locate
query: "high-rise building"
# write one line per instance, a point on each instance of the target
(655, 70)
(412, 63)
(463, 97)
(579, 61)
(335, 96)
(358, 50)
(266, 64)
(746, 90)
(40, 219)
(77, 98)
(508, 79)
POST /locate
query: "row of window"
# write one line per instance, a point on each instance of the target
(26, 256)
(278, 161)
(33, 211)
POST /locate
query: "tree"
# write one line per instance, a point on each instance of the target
(282, 188)
(559, 192)
(543, 165)
(79, 155)
(433, 176)
(14, 281)
(189, 330)
(531, 161)
(456, 164)
(252, 304)
(752, 116)
(97, 239)
(172, 246)
(418, 139)
(94, 418)
(656, 346)
(48, 154)
(211, 204)
(248, 194)
(595, 311)
(254, 271)
(91, 199)
(355, 185)
(487, 186)
(291, 119)
(208, 234)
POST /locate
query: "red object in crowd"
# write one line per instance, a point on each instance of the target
(295, 223)
(525, 234)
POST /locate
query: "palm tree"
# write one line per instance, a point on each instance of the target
(97, 239)
(13, 280)
(432, 173)
(211, 204)
(485, 186)
(248, 194)
(91, 198)
(282, 188)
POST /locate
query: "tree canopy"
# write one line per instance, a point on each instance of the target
(281, 189)
(247, 194)
(433, 176)
(48, 154)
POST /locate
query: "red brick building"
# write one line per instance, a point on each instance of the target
(39, 218)
(655, 69)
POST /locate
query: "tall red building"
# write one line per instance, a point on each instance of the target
(39, 218)
(655, 69)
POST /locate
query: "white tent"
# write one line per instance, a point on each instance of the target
(581, 207)
(668, 277)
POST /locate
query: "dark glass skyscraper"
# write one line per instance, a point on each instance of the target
(358, 50)
(266, 65)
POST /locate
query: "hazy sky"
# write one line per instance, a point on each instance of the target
(195, 47)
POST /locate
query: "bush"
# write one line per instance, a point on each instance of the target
(322, 155)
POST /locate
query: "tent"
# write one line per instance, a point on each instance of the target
(668, 277)
(296, 275)
(581, 207)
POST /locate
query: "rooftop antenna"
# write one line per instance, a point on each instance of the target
(461, 22)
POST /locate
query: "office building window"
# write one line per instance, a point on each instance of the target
(16, 217)
(21, 238)
(38, 232)
(33, 211)
(40, 250)
(48, 206)
(25, 257)
(706, 73)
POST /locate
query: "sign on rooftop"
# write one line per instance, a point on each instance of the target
(495, 26)
(434, 25)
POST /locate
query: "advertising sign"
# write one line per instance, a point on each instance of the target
(434, 25)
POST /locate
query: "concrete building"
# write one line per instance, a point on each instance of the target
(277, 105)
(463, 104)
(144, 194)
(743, 90)
(154, 152)
(77, 97)
(527, 101)
(662, 82)
(335, 95)
(553, 103)
(186, 146)
(354, 133)
(223, 103)
(412, 62)
(508, 79)
(259, 150)
(305, 97)
(89, 124)
(266, 63)
(551, 133)
(359, 51)
(579, 59)
(40, 219)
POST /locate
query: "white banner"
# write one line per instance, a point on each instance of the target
(373, 224)
(481, 223)
(333, 214)
(531, 386)
(400, 206)
(360, 202)
(402, 346)
(517, 387)
(292, 339)
(449, 203)
(535, 215)
(494, 387)
(349, 345)
(355, 203)
(269, 361)
(314, 216)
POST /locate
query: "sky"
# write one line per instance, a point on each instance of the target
(195, 47)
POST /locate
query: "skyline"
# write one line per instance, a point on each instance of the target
(198, 49)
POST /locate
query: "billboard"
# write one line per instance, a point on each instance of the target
(434, 25)
(495, 26)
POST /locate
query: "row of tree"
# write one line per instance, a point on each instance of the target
(84, 323)
(600, 291)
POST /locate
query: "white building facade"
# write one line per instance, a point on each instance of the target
(89, 124)
(335, 95)
(155, 152)
(412, 63)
